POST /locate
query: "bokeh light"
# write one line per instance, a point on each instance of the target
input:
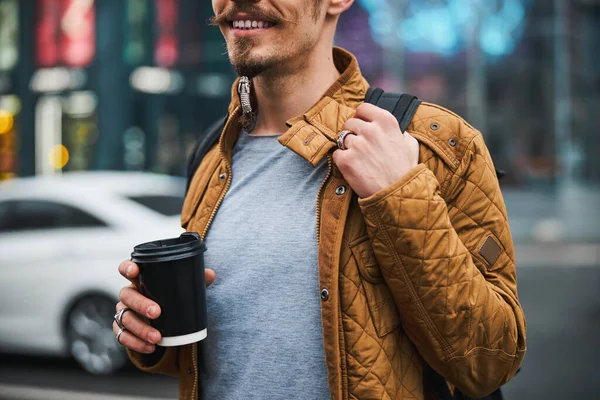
(7, 121)
(58, 156)
(447, 27)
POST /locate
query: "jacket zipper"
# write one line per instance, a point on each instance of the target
(329, 168)
(195, 366)
(214, 212)
(203, 236)
(212, 216)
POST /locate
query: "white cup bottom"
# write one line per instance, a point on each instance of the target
(183, 339)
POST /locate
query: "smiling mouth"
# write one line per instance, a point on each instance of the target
(250, 24)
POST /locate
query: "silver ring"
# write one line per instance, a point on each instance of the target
(119, 317)
(342, 137)
(118, 336)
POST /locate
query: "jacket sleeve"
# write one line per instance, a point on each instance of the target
(162, 361)
(450, 267)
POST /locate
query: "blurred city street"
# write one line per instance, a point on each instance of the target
(561, 304)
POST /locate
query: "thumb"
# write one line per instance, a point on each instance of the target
(209, 276)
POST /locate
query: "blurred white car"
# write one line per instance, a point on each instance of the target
(61, 241)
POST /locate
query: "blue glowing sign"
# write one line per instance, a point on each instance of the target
(446, 26)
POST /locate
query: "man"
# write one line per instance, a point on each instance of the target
(354, 265)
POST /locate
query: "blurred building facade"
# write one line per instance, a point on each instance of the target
(132, 84)
(112, 84)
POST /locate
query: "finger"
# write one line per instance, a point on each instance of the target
(130, 271)
(140, 328)
(350, 141)
(139, 303)
(374, 114)
(340, 159)
(368, 112)
(410, 137)
(336, 156)
(132, 342)
(358, 127)
(209, 276)
(414, 143)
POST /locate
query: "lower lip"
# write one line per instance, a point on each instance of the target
(248, 32)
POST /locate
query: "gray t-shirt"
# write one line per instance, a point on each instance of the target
(264, 313)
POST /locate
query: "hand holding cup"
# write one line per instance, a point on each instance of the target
(139, 336)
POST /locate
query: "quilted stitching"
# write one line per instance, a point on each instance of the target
(457, 313)
(378, 367)
(414, 236)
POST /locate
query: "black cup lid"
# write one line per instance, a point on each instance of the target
(188, 244)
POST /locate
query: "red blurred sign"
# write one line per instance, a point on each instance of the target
(78, 39)
(166, 52)
(65, 33)
(47, 30)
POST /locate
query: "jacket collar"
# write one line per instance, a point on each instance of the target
(313, 134)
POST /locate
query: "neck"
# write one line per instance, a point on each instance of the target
(291, 90)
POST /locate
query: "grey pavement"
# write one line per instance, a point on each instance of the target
(23, 378)
(562, 308)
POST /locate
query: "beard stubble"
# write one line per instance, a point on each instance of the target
(239, 50)
(239, 56)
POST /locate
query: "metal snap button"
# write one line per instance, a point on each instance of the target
(340, 190)
(223, 176)
(324, 294)
(434, 127)
(452, 142)
(190, 371)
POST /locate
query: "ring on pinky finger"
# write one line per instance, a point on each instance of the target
(133, 343)
(118, 335)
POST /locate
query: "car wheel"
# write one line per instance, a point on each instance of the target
(90, 336)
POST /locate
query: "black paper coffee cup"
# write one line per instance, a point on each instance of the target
(172, 274)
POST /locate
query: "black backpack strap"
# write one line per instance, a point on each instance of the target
(438, 384)
(373, 95)
(401, 106)
(204, 144)
(435, 385)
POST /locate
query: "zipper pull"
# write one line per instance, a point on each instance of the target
(244, 92)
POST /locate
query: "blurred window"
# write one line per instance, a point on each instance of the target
(163, 204)
(23, 215)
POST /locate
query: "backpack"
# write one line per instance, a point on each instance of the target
(403, 107)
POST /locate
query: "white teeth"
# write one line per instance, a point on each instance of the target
(248, 24)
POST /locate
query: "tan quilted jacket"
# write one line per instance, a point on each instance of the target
(421, 272)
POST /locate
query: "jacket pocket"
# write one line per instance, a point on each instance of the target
(379, 297)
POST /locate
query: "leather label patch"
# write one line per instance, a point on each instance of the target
(490, 250)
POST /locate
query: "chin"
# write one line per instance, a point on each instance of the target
(251, 64)
(251, 70)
